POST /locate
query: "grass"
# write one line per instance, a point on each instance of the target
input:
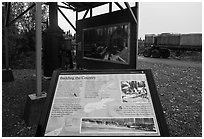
(179, 89)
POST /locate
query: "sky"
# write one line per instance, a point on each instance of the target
(154, 17)
(171, 17)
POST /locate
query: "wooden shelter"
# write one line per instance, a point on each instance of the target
(54, 7)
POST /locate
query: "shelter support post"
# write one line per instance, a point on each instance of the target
(6, 35)
(8, 13)
(91, 12)
(52, 43)
(35, 102)
(137, 15)
(135, 18)
(110, 7)
(76, 16)
(7, 74)
(38, 50)
(6, 46)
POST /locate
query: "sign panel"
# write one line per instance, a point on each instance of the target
(98, 104)
(106, 43)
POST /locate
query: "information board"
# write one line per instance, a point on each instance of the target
(105, 43)
(92, 103)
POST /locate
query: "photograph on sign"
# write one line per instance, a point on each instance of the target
(117, 125)
(102, 104)
(134, 91)
(108, 43)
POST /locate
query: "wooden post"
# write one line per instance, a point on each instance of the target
(6, 46)
(110, 7)
(38, 49)
(53, 14)
(76, 15)
(35, 102)
(91, 13)
(6, 36)
(137, 18)
(7, 75)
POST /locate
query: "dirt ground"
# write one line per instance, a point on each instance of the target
(179, 89)
(180, 92)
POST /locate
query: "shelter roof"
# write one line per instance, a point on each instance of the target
(81, 6)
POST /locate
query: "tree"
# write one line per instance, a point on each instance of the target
(26, 22)
(12, 36)
(21, 34)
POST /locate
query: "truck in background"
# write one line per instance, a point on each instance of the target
(161, 45)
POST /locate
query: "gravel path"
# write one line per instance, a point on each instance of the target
(175, 62)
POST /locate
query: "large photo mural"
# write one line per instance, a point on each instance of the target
(108, 43)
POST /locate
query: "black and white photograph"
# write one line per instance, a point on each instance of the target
(109, 43)
(160, 41)
(117, 125)
(134, 91)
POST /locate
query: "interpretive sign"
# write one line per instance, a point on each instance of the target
(106, 43)
(91, 103)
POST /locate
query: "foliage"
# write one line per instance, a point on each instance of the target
(13, 36)
(26, 22)
(21, 34)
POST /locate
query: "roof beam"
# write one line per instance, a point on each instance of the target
(64, 7)
(121, 8)
(82, 6)
(68, 6)
(85, 14)
(131, 12)
(67, 19)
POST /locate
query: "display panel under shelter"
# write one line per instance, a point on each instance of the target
(105, 43)
(108, 43)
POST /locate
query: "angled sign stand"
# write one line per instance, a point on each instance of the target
(108, 103)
